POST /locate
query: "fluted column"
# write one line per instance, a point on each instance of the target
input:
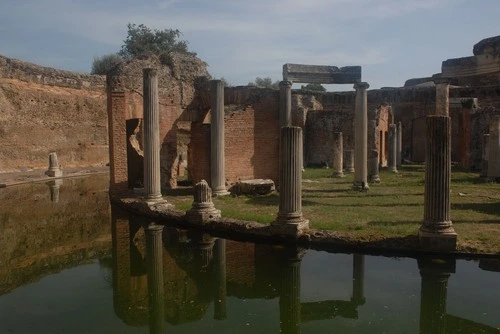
(373, 161)
(217, 160)
(155, 277)
(220, 298)
(485, 155)
(290, 218)
(285, 103)
(361, 136)
(358, 279)
(290, 292)
(433, 294)
(349, 161)
(399, 145)
(494, 149)
(392, 148)
(436, 231)
(442, 96)
(152, 183)
(338, 153)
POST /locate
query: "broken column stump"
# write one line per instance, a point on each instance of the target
(203, 209)
(54, 168)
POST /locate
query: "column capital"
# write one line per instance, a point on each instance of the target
(149, 71)
(286, 83)
(154, 228)
(442, 80)
(361, 85)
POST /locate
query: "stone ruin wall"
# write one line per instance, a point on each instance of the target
(43, 110)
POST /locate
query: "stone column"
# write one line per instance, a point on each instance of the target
(217, 164)
(393, 148)
(349, 161)
(442, 96)
(54, 168)
(433, 294)
(54, 186)
(290, 292)
(358, 279)
(399, 145)
(485, 155)
(494, 148)
(154, 250)
(361, 137)
(374, 167)
(285, 103)
(203, 209)
(337, 154)
(290, 220)
(220, 297)
(152, 183)
(436, 232)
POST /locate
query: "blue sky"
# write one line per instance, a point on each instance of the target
(393, 40)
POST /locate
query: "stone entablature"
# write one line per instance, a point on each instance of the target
(321, 74)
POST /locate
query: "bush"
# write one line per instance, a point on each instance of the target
(101, 65)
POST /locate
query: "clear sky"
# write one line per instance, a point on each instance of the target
(393, 40)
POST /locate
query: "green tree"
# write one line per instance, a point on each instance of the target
(314, 87)
(265, 83)
(141, 40)
(102, 64)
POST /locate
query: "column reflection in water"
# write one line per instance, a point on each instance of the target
(154, 255)
(290, 290)
(358, 279)
(434, 274)
(220, 297)
(54, 186)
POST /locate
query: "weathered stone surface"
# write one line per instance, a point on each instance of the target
(321, 74)
(494, 148)
(54, 167)
(361, 137)
(471, 66)
(338, 155)
(349, 161)
(373, 173)
(393, 148)
(255, 187)
(489, 46)
(203, 209)
(285, 103)
(485, 155)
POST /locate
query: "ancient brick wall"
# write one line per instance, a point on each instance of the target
(44, 110)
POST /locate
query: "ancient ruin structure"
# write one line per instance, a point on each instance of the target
(494, 148)
(399, 145)
(156, 294)
(373, 170)
(290, 220)
(485, 155)
(436, 232)
(338, 154)
(54, 167)
(349, 161)
(203, 209)
(393, 148)
(361, 137)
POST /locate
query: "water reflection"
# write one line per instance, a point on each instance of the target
(173, 277)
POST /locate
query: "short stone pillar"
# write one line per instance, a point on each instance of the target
(442, 96)
(358, 279)
(289, 303)
(494, 149)
(349, 161)
(337, 155)
(399, 145)
(285, 103)
(220, 298)
(290, 220)
(217, 159)
(54, 186)
(54, 167)
(152, 182)
(154, 256)
(433, 293)
(392, 148)
(436, 232)
(374, 175)
(485, 155)
(203, 209)
(361, 137)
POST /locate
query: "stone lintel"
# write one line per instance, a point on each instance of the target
(469, 66)
(464, 102)
(321, 74)
(438, 241)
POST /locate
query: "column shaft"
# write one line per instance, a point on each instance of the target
(338, 153)
(217, 160)
(374, 167)
(494, 148)
(220, 297)
(154, 246)
(399, 149)
(485, 155)
(361, 136)
(393, 148)
(442, 97)
(349, 161)
(285, 103)
(290, 297)
(152, 183)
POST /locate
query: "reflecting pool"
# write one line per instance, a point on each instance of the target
(71, 264)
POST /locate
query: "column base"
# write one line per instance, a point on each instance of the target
(203, 216)
(56, 172)
(158, 203)
(360, 186)
(375, 179)
(220, 192)
(293, 227)
(349, 170)
(338, 174)
(442, 241)
(392, 169)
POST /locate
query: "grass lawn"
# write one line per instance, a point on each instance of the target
(393, 208)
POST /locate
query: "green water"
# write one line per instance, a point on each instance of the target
(76, 266)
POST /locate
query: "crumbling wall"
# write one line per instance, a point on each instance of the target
(43, 110)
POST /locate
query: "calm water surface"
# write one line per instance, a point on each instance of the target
(70, 264)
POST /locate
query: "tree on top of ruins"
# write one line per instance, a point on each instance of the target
(142, 40)
(313, 87)
(265, 83)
